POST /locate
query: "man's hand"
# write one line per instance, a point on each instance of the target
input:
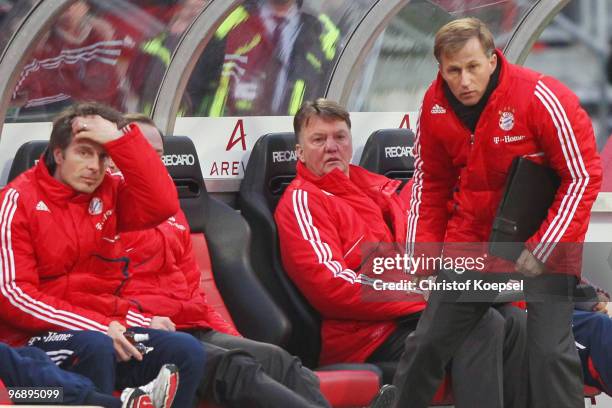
(529, 265)
(123, 348)
(416, 283)
(162, 323)
(601, 307)
(95, 128)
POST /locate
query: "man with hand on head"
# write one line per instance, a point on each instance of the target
(63, 266)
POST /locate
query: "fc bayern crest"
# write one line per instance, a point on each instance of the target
(506, 120)
(95, 206)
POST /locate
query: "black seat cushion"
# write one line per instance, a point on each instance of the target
(228, 237)
(182, 162)
(270, 169)
(27, 156)
(389, 152)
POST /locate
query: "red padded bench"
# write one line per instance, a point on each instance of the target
(4, 399)
(342, 388)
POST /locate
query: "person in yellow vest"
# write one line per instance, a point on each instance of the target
(265, 58)
(276, 56)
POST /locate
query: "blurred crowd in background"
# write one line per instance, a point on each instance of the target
(117, 51)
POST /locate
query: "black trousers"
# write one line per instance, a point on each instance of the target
(553, 367)
(245, 373)
(496, 346)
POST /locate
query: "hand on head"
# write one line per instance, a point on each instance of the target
(95, 128)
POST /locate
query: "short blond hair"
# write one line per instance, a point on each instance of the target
(454, 35)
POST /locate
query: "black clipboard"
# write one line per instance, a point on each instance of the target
(530, 191)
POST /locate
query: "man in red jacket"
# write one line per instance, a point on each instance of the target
(81, 57)
(478, 115)
(327, 219)
(165, 279)
(63, 266)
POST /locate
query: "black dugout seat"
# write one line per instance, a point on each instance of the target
(270, 169)
(27, 155)
(226, 246)
(389, 152)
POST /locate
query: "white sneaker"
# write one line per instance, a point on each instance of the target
(135, 398)
(159, 393)
(162, 389)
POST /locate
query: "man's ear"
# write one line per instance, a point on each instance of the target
(58, 155)
(493, 62)
(300, 152)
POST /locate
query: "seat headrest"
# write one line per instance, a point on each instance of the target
(182, 162)
(271, 166)
(27, 156)
(389, 152)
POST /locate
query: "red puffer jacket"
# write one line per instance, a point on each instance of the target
(165, 277)
(84, 70)
(61, 261)
(322, 222)
(528, 115)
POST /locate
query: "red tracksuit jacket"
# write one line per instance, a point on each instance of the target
(529, 115)
(165, 277)
(62, 264)
(60, 70)
(322, 221)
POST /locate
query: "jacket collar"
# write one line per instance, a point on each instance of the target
(55, 189)
(372, 196)
(359, 181)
